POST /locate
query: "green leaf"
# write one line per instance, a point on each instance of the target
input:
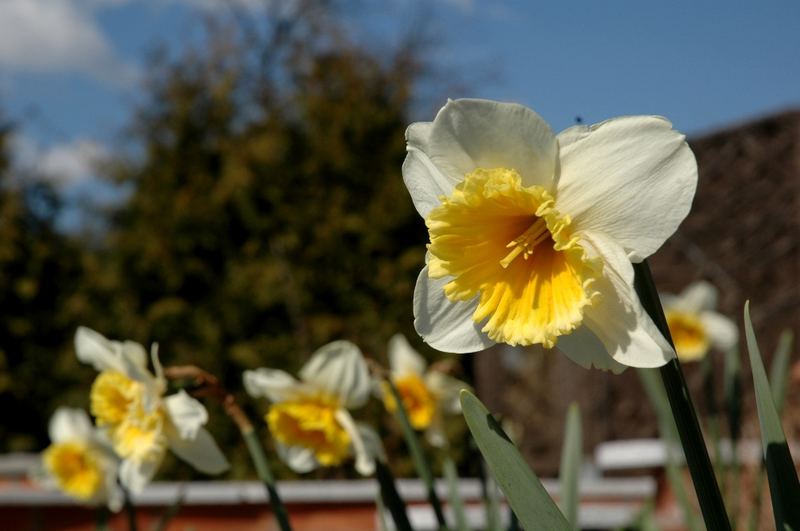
(524, 492)
(731, 478)
(265, 475)
(415, 448)
(779, 370)
(391, 498)
(654, 388)
(571, 465)
(779, 377)
(170, 512)
(456, 503)
(784, 487)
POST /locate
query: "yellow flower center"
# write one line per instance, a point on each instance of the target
(75, 467)
(419, 401)
(509, 245)
(111, 397)
(311, 422)
(688, 334)
(118, 404)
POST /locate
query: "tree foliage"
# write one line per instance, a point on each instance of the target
(266, 214)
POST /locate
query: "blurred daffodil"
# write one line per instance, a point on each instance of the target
(128, 402)
(309, 418)
(532, 234)
(79, 461)
(694, 325)
(427, 394)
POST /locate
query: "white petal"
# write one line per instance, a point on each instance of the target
(93, 348)
(447, 390)
(632, 177)
(70, 424)
(272, 384)
(339, 368)
(365, 461)
(723, 332)
(403, 359)
(445, 325)
(372, 443)
(425, 182)
(435, 433)
(618, 318)
(128, 358)
(585, 349)
(697, 297)
(135, 474)
(187, 414)
(201, 451)
(469, 134)
(299, 458)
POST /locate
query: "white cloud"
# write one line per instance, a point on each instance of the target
(58, 36)
(63, 165)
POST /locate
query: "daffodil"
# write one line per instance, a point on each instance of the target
(309, 418)
(532, 234)
(128, 402)
(79, 461)
(427, 394)
(693, 323)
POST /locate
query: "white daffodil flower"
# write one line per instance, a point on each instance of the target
(79, 461)
(694, 325)
(309, 418)
(427, 395)
(128, 402)
(532, 234)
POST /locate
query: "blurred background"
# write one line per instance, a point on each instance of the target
(223, 178)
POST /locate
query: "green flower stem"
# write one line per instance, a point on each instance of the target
(130, 509)
(391, 497)
(669, 433)
(694, 446)
(212, 387)
(101, 518)
(415, 448)
(266, 477)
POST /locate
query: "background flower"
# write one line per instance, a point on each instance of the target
(532, 234)
(128, 402)
(427, 395)
(79, 462)
(693, 323)
(309, 418)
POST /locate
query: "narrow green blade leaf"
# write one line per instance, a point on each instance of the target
(524, 492)
(654, 387)
(415, 448)
(456, 503)
(779, 377)
(784, 487)
(571, 465)
(391, 498)
(166, 517)
(779, 370)
(731, 476)
(491, 501)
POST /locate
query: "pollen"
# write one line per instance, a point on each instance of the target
(508, 245)
(418, 400)
(76, 469)
(311, 423)
(688, 335)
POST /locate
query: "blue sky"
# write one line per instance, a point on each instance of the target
(69, 69)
